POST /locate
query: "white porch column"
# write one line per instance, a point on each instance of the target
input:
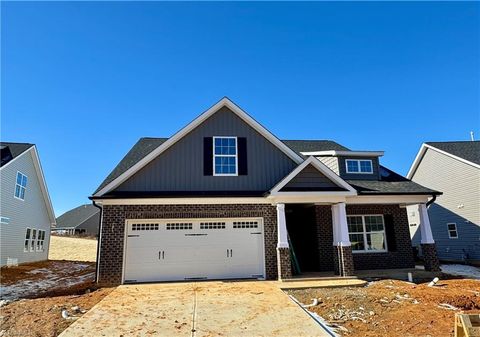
(340, 226)
(425, 229)
(281, 227)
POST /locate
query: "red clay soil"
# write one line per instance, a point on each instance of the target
(42, 317)
(395, 308)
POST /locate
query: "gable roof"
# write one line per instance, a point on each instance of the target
(76, 216)
(322, 168)
(464, 151)
(10, 151)
(224, 102)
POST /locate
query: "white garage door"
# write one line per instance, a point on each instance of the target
(168, 250)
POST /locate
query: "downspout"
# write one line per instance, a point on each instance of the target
(98, 239)
(431, 201)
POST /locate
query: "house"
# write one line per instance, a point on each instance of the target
(84, 220)
(26, 212)
(221, 197)
(454, 169)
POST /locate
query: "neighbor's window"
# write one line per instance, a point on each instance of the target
(367, 233)
(452, 230)
(225, 156)
(4, 220)
(40, 240)
(361, 166)
(20, 186)
(32, 242)
(27, 240)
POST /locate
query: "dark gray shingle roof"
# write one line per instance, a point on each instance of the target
(143, 147)
(467, 150)
(389, 183)
(76, 216)
(313, 145)
(10, 151)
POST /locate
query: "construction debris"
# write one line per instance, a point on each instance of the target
(434, 282)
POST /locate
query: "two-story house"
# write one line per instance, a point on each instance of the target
(26, 212)
(225, 198)
(454, 169)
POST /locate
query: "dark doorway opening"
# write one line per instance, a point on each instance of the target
(302, 229)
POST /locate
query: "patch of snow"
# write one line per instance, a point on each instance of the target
(461, 270)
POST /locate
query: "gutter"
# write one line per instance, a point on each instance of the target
(431, 201)
(98, 240)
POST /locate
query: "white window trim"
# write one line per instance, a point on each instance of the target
(40, 242)
(456, 230)
(225, 155)
(358, 160)
(16, 184)
(33, 242)
(25, 239)
(365, 251)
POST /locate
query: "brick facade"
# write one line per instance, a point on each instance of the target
(430, 257)
(284, 263)
(343, 261)
(113, 230)
(113, 233)
(402, 256)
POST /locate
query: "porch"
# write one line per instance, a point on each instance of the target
(316, 240)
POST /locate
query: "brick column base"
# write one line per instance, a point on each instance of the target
(284, 263)
(430, 257)
(344, 252)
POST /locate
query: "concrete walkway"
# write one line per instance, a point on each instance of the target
(249, 308)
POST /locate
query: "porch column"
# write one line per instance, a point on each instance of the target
(284, 264)
(342, 250)
(429, 250)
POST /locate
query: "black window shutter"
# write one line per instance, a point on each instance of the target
(207, 156)
(242, 156)
(390, 232)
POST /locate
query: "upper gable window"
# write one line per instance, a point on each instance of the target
(361, 166)
(225, 160)
(20, 186)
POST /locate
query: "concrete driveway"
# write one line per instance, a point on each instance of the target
(250, 308)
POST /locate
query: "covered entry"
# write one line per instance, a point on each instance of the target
(193, 249)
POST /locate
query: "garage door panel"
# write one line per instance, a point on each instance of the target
(166, 250)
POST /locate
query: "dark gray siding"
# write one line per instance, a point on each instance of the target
(180, 168)
(343, 170)
(310, 178)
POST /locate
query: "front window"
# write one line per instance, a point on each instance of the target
(452, 231)
(362, 166)
(367, 233)
(40, 240)
(225, 156)
(20, 186)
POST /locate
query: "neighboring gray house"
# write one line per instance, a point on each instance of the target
(454, 169)
(26, 213)
(217, 199)
(83, 219)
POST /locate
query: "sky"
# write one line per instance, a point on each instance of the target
(85, 80)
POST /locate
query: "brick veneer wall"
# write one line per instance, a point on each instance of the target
(323, 218)
(403, 256)
(113, 230)
(343, 261)
(430, 257)
(285, 263)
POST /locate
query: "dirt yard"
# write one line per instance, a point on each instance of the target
(394, 308)
(41, 291)
(72, 249)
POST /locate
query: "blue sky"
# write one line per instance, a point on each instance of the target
(85, 80)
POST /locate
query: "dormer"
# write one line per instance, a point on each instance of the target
(352, 165)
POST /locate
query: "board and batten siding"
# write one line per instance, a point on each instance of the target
(31, 212)
(460, 204)
(180, 167)
(310, 178)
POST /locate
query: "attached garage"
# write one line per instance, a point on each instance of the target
(193, 249)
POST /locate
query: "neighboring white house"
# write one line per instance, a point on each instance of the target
(26, 212)
(454, 169)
